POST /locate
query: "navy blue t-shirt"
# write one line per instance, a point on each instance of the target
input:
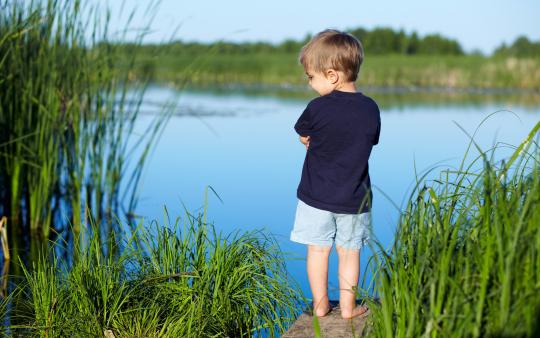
(343, 127)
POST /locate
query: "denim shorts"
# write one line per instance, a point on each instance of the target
(314, 226)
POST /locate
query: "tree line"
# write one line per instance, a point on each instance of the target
(521, 47)
(377, 41)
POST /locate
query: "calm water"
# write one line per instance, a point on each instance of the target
(246, 149)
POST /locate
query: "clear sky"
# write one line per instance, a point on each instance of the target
(476, 24)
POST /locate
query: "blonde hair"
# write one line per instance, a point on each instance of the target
(332, 49)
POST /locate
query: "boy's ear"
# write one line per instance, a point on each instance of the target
(332, 75)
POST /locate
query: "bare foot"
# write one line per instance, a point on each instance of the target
(356, 312)
(322, 309)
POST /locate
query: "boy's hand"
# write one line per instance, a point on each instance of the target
(305, 140)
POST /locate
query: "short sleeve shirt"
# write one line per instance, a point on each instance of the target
(343, 127)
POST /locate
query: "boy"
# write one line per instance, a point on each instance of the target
(338, 129)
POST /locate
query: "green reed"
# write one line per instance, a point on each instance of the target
(67, 115)
(466, 257)
(173, 280)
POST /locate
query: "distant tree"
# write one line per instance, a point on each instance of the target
(262, 47)
(524, 47)
(436, 44)
(401, 42)
(359, 33)
(289, 46)
(521, 47)
(413, 44)
(382, 41)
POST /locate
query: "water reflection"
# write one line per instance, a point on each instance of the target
(394, 97)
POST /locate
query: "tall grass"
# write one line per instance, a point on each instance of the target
(466, 256)
(67, 115)
(173, 280)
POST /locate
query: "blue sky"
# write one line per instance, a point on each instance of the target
(476, 24)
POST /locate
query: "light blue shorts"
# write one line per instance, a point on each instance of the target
(314, 226)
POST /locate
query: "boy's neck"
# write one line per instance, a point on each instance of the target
(348, 87)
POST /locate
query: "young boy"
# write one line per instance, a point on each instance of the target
(338, 129)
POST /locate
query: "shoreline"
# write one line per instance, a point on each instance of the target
(296, 88)
(388, 96)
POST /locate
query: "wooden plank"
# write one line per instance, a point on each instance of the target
(332, 325)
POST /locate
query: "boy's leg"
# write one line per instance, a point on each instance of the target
(317, 270)
(349, 272)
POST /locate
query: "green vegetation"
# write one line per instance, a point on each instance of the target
(393, 59)
(466, 256)
(169, 64)
(388, 41)
(175, 280)
(521, 47)
(377, 41)
(67, 119)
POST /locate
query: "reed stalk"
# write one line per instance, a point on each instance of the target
(68, 113)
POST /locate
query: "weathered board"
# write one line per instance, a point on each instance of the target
(332, 325)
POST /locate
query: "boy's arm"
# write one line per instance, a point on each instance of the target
(304, 125)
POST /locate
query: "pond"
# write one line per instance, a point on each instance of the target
(243, 145)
